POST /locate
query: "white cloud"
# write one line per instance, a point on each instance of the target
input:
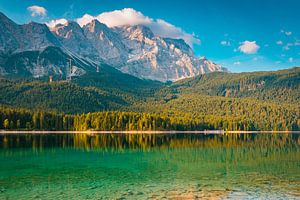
(85, 19)
(237, 63)
(249, 47)
(165, 29)
(286, 32)
(279, 42)
(291, 59)
(129, 16)
(37, 11)
(225, 43)
(53, 23)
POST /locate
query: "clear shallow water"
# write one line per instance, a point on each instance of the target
(146, 166)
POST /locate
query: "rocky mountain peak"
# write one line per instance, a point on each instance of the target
(9, 31)
(4, 20)
(36, 36)
(67, 30)
(106, 43)
(35, 28)
(95, 26)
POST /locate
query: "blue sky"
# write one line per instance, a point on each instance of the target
(242, 35)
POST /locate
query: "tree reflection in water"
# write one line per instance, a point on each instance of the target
(195, 163)
(145, 142)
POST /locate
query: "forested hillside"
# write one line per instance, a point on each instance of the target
(245, 101)
(227, 113)
(107, 90)
(280, 86)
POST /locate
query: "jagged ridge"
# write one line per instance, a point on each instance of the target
(131, 49)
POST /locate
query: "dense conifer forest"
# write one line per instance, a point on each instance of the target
(227, 101)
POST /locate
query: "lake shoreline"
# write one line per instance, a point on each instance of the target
(139, 132)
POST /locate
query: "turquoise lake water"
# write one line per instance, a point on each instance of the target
(149, 166)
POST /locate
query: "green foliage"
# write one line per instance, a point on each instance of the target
(40, 120)
(107, 90)
(246, 101)
(6, 124)
(226, 113)
(172, 120)
(280, 86)
(57, 96)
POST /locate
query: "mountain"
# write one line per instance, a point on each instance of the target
(8, 30)
(72, 38)
(131, 49)
(107, 43)
(28, 37)
(110, 68)
(159, 58)
(49, 61)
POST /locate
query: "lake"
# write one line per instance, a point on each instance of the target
(149, 166)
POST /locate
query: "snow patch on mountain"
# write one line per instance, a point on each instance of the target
(133, 49)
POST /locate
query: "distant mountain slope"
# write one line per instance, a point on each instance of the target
(131, 49)
(110, 89)
(60, 96)
(50, 61)
(251, 101)
(282, 85)
(28, 37)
